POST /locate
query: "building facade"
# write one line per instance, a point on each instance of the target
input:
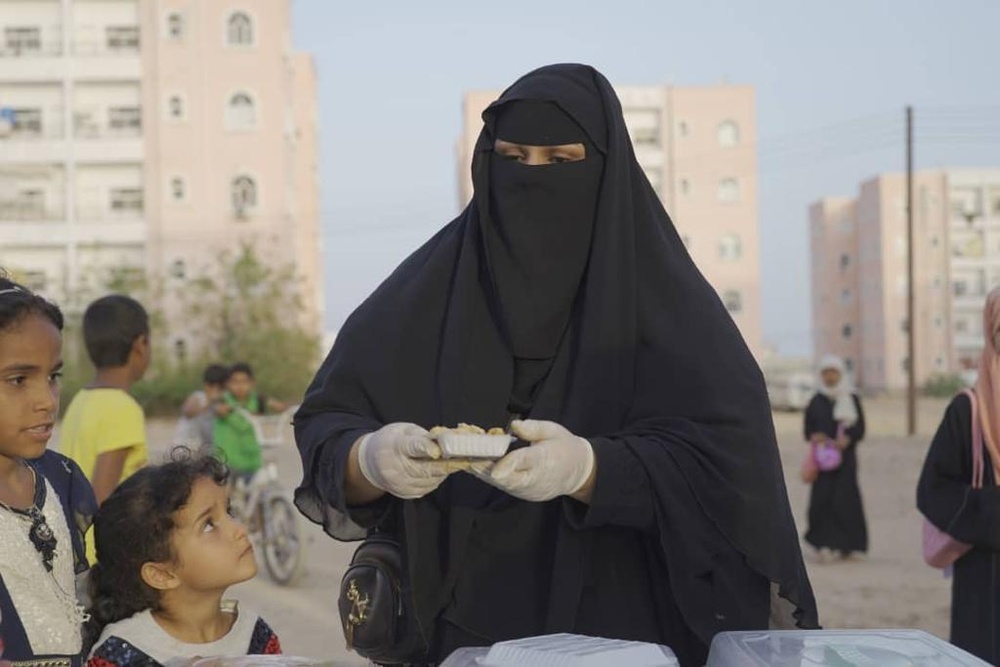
(697, 147)
(859, 277)
(141, 138)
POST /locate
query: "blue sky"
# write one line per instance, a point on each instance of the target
(832, 80)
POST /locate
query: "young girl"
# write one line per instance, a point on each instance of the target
(167, 550)
(46, 502)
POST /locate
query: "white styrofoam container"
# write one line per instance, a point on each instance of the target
(473, 445)
(564, 650)
(843, 648)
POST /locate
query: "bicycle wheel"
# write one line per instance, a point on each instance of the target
(281, 542)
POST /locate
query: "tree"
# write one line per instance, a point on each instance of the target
(245, 310)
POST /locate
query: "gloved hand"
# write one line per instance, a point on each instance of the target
(557, 463)
(401, 459)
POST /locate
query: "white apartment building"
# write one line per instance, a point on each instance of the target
(859, 280)
(140, 138)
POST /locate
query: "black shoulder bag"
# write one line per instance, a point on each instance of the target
(376, 606)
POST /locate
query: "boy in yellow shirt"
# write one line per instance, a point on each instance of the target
(104, 429)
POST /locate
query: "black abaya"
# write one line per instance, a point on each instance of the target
(689, 531)
(836, 513)
(946, 497)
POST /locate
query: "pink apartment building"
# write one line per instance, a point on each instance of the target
(859, 281)
(697, 146)
(145, 136)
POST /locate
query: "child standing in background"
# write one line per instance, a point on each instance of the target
(46, 503)
(104, 429)
(198, 411)
(157, 597)
(234, 436)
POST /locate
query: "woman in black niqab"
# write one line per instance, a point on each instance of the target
(564, 294)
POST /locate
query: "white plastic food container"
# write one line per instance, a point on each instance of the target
(843, 648)
(473, 445)
(564, 650)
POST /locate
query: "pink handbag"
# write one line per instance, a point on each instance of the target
(941, 550)
(827, 456)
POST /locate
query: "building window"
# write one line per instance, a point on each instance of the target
(846, 331)
(644, 126)
(175, 26)
(178, 269)
(682, 129)
(845, 296)
(849, 365)
(175, 107)
(19, 40)
(125, 118)
(180, 349)
(939, 323)
(26, 205)
(935, 241)
(241, 112)
(244, 195)
(24, 122)
(178, 190)
(730, 248)
(126, 200)
(729, 190)
(961, 325)
(239, 29)
(685, 186)
(845, 261)
(733, 301)
(728, 134)
(939, 363)
(122, 37)
(36, 281)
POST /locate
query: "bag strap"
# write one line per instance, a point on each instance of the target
(977, 442)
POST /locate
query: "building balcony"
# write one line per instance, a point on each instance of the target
(56, 234)
(98, 67)
(106, 148)
(13, 210)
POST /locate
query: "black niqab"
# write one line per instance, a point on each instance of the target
(651, 369)
(539, 227)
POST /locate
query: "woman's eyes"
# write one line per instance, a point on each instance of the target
(209, 526)
(17, 380)
(552, 159)
(56, 377)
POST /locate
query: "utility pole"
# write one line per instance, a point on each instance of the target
(911, 364)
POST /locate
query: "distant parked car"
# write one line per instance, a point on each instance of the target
(791, 391)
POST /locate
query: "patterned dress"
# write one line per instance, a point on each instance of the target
(40, 616)
(139, 641)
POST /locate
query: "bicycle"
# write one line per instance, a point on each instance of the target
(263, 505)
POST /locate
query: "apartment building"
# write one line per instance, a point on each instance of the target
(859, 279)
(140, 138)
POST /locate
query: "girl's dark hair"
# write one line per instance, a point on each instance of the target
(133, 527)
(18, 302)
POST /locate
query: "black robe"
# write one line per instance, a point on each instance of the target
(689, 531)
(946, 497)
(836, 514)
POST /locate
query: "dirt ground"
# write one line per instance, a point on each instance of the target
(891, 588)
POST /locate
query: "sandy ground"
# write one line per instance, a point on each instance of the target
(891, 588)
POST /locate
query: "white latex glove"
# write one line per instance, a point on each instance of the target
(401, 459)
(557, 463)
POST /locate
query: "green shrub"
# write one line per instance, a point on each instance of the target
(943, 385)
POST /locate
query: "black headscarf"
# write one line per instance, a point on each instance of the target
(651, 361)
